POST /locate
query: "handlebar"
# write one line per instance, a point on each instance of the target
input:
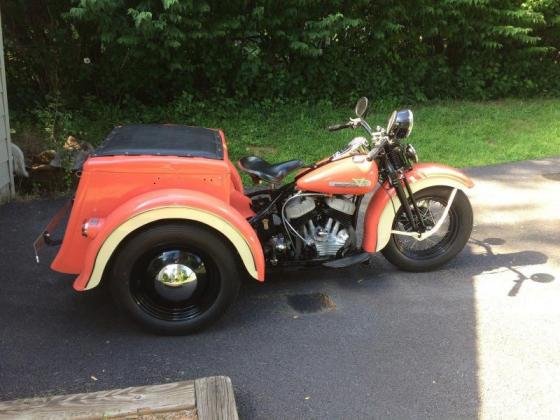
(337, 127)
(379, 137)
(375, 150)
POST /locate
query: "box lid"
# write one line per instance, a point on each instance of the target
(162, 140)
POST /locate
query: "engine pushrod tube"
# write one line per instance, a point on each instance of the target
(285, 219)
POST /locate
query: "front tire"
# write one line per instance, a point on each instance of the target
(411, 255)
(175, 278)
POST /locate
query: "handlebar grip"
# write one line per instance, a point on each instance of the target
(338, 127)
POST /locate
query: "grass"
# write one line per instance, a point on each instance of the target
(457, 133)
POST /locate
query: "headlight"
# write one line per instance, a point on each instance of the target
(400, 124)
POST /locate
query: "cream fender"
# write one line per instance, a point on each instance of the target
(170, 213)
(380, 214)
(106, 234)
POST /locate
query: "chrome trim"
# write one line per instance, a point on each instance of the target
(176, 275)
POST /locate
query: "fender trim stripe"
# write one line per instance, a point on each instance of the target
(170, 212)
(385, 224)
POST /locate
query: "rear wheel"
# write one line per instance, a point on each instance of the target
(175, 278)
(410, 254)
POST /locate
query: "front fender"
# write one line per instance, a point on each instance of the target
(166, 205)
(380, 213)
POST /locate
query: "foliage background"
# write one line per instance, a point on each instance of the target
(131, 52)
(273, 74)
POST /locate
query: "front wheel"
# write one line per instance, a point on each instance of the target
(409, 254)
(175, 278)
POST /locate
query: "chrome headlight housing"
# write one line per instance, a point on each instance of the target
(410, 154)
(400, 124)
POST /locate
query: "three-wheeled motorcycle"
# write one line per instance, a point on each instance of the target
(160, 213)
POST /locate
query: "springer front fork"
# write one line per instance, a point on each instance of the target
(413, 214)
(402, 187)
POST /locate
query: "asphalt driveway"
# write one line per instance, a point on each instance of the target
(480, 337)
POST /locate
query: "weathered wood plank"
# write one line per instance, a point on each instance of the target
(134, 401)
(215, 399)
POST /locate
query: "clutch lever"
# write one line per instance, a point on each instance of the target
(353, 123)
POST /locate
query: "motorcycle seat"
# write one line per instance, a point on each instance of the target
(261, 169)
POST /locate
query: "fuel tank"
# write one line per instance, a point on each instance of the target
(351, 175)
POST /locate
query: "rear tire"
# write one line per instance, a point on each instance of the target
(441, 248)
(175, 278)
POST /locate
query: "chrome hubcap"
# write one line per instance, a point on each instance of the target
(176, 282)
(176, 275)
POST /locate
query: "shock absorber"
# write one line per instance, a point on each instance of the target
(397, 183)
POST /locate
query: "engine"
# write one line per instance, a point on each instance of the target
(328, 239)
(321, 223)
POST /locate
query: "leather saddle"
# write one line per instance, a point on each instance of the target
(260, 169)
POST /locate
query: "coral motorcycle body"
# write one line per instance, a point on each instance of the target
(160, 213)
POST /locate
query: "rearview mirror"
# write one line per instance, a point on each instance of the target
(361, 107)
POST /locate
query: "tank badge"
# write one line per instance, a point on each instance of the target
(362, 182)
(356, 182)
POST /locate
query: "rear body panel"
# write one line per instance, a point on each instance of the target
(112, 185)
(162, 205)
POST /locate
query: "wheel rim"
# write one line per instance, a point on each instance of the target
(431, 208)
(174, 283)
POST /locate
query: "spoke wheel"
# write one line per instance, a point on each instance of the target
(431, 210)
(410, 254)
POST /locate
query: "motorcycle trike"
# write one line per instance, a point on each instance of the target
(161, 215)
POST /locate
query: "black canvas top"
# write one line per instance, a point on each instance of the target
(162, 140)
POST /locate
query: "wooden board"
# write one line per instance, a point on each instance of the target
(215, 399)
(176, 399)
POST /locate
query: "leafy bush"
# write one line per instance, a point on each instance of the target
(152, 51)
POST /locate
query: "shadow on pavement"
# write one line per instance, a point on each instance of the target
(391, 344)
(510, 260)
